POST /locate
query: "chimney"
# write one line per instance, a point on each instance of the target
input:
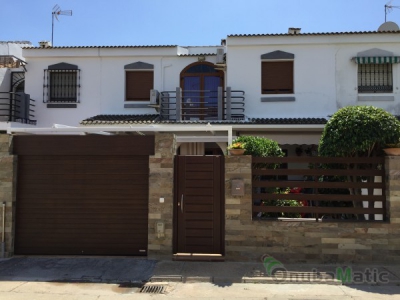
(293, 30)
(44, 44)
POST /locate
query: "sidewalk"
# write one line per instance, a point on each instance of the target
(138, 271)
(255, 272)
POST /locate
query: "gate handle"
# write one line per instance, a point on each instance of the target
(182, 203)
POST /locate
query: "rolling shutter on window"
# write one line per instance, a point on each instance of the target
(139, 84)
(277, 77)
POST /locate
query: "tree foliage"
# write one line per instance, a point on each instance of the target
(260, 147)
(358, 131)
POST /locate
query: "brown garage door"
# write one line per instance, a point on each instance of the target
(81, 204)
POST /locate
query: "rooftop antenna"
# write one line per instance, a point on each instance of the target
(389, 7)
(54, 14)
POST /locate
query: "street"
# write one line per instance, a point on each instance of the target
(16, 290)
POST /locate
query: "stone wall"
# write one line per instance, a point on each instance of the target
(304, 241)
(161, 185)
(7, 193)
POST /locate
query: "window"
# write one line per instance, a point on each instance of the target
(138, 85)
(62, 83)
(375, 78)
(375, 70)
(277, 77)
(277, 73)
(139, 80)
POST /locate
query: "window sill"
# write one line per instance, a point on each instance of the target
(62, 105)
(278, 99)
(375, 97)
(129, 104)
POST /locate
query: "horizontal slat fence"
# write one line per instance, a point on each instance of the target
(328, 194)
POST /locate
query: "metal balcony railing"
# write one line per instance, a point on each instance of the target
(202, 104)
(17, 107)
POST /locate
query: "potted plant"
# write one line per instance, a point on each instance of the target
(237, 148)
(393, 149)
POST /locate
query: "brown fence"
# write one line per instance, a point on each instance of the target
(323, 188)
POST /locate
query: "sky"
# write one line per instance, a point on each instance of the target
(182, 22)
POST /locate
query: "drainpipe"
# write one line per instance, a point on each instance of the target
(3, 248)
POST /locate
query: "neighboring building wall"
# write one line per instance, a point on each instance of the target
(300, 241)
(7, 192)
(10, 48)
(161, 185)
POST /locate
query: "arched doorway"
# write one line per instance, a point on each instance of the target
(17, 82)
(199, 83)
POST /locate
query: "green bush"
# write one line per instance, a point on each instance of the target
(358, 131)
(260, 147)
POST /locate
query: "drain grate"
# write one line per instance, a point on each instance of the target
(152, 289)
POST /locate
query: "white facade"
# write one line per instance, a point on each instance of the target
(103, 77)
(324, 80)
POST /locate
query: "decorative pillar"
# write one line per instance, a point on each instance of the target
(7, 195)
(161, 186)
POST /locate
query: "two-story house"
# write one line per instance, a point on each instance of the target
(96, 175)
(281, 86)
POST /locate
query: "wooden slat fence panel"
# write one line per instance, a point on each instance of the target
(326, 193)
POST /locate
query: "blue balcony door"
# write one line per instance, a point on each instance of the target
(200, 82)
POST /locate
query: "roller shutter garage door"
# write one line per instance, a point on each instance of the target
(80, 195)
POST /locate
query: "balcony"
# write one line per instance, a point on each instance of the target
(17, 107)
(182, 105)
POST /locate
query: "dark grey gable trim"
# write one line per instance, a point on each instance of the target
(139, 66)
(277, 55)
(63, 66)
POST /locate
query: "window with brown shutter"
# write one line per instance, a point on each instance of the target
(138, 85)
(277, 77)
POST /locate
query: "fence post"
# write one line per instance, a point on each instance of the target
(228, 103)
(178, 104)
(220, 103)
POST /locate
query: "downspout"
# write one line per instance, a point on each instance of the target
(3, 248)
(163, 73)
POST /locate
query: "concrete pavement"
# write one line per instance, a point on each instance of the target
(100, 278)
(76, 269)
(193, 291)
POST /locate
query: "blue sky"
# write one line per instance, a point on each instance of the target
(182, 22)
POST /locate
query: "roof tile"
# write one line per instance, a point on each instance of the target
(156, 119)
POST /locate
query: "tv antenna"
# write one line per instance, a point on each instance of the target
(54, 14)
(389, 7)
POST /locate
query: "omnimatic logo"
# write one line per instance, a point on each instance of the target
(275, 269)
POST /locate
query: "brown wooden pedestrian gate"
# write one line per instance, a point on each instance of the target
(82, 195)
(199, 205)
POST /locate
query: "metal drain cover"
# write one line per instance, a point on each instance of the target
(152, 289)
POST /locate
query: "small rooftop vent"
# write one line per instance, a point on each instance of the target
(293, 30)
(44, 44)
(389, 26)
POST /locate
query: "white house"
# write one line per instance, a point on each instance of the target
(281, 86)
(98, 175)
